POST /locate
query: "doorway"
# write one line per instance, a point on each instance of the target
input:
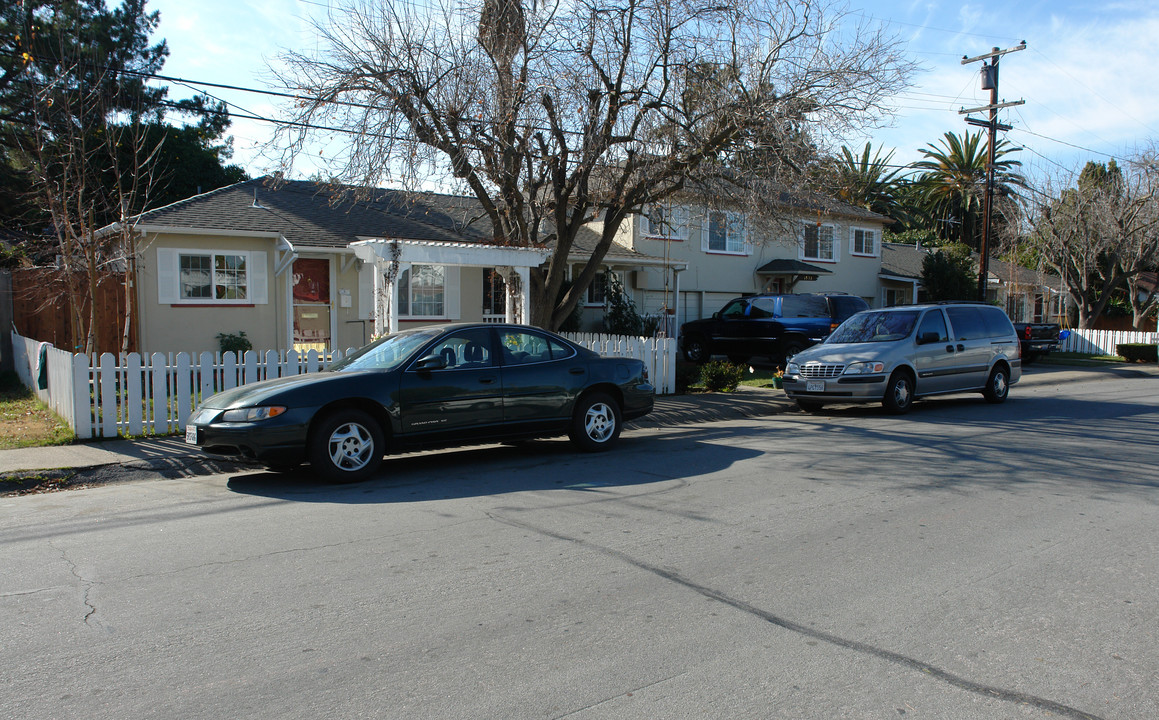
(311, 300)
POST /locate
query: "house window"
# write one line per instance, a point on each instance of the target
(895, 296)
(863, 241)
(213, 276)
(819, 243)
(422, 291)
(666, 222)
(725, 233)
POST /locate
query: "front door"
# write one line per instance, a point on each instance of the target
(311, 304)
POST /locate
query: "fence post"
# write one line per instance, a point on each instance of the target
(105, 395)
(134, 398)
(82, 406)
(183, 377)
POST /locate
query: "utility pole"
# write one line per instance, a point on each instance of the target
(989, 82)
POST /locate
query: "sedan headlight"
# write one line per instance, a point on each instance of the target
(252, 414)
(793, 369)
(864, 368)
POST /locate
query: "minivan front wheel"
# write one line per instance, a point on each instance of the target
(899, 392)
(997, 385)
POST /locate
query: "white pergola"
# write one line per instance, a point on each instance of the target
(391, 257)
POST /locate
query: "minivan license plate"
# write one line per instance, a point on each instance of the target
(191, 434)
(814, 386)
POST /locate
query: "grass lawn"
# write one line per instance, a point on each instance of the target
(1070, 358)
(25, 421)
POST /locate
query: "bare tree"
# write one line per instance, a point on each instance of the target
(82, 175)
(574, 114)
(1100, 232)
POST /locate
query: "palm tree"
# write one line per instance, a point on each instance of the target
(868, 182)
(953, 184)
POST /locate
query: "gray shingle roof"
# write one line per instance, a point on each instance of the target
(902, 260)
(304, 213)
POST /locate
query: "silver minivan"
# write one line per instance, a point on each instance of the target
(896, 355)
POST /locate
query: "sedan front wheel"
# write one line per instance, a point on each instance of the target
(347, 446)
(596, 423)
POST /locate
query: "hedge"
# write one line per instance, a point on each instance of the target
(1137, 352)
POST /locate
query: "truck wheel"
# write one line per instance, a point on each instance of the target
(695, 350)
(997, 385)
(792, 348)
(899, 392)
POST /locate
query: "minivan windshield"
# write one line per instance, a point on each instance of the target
(866, 327)
(389, 352)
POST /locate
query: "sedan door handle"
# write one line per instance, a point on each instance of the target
(489, 379)
(577, 371)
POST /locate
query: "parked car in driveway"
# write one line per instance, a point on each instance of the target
(433, 386)
(775, 326)
(895, 355)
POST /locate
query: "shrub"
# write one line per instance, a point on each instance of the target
(234, 343)
(1137, 352)
(719, 375)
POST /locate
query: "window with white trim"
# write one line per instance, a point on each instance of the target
(667, 222)
(422, 291)
(211, 277)
(820, 243)
(863, 241)
(597, 293)
(725, 233)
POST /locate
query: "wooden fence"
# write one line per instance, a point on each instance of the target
(155, 394)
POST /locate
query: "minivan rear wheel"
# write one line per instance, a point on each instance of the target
(899, 392)
(997, 385)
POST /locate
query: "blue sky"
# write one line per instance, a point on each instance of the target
(1088, 75)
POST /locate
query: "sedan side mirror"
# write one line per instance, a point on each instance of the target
(431, 362)
(716, 315)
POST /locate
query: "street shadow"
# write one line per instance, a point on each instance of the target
(1025, 441)
(535, 465)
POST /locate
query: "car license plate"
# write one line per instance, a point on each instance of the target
(191, 434)
(814, 386)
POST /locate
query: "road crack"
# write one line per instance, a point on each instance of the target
(962, 683)
(87, 584)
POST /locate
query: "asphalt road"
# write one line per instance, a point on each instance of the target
(964, 561)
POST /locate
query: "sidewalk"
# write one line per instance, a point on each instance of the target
(171, 457)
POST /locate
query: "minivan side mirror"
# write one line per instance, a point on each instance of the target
(929, 337)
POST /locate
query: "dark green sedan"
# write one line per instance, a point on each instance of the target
(429, 387)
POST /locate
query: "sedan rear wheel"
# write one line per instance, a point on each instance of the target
(596, 423)
(346, 446)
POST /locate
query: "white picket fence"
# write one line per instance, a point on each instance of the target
(155, 394)
(657, 354)
(1103, 342)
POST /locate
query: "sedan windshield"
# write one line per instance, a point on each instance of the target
(868, 327)
(389, 352)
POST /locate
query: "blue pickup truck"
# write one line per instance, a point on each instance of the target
(773, 326)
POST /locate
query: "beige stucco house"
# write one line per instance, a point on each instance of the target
(294, 270)
(824, 247)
